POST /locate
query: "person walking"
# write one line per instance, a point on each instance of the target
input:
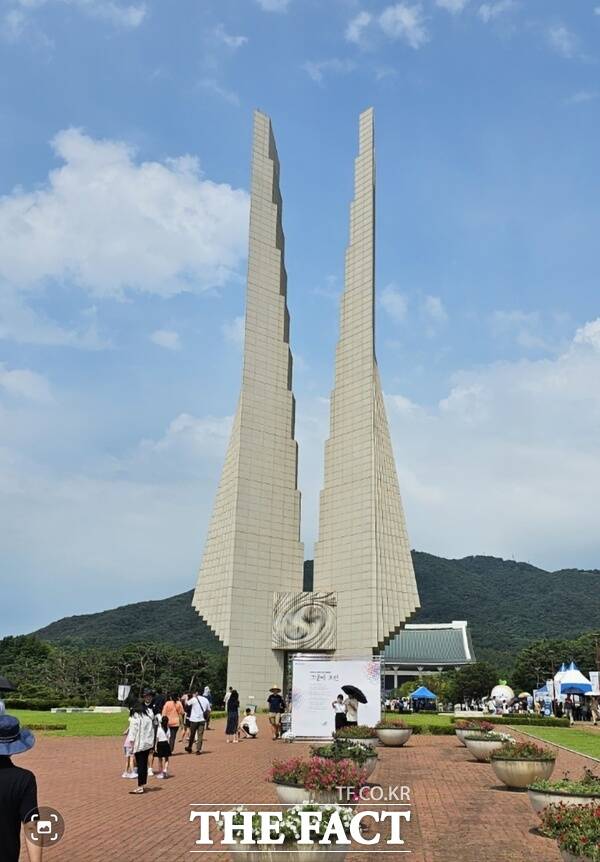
(233, 717)
(18, 791)
(276, 708)
(142, 732)
(199, 710)
(163, 747)
(173, 711)
(207, 694)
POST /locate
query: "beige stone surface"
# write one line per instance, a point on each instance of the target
(363, 551)
(253, 546)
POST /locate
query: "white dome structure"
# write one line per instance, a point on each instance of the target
(502, 692)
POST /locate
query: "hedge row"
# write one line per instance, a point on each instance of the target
(46, 726)
(39, 705)
(533, 720)
(433, 729)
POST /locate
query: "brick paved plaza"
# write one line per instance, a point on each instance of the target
(459, 812)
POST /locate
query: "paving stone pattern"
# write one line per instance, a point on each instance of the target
(459, 813)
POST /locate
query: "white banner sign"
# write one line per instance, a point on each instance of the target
(317, 683)
(594, 676)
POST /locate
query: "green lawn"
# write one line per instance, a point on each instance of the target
(582, 741)
(78, 724)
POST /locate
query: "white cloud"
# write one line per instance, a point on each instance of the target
(273, 5)
(317, 70)
(166, 338)
(21, 323)
(405, 22)
(357, 26)
(213, 86)
(453, 6)
(490, 11)
(108, 224)
(228, 39)
(394, 302)
(526, 328)
(508, 461)
(582, 96)
(125, 16)
(433, 308)
(25, 384)
(563, 41)
(233, 331)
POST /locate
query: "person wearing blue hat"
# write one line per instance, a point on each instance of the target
(18, 791)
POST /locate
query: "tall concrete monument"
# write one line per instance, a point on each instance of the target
(250, 582)
(362, 553)
(253, 544)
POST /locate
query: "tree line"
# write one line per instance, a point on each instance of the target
(68, 674)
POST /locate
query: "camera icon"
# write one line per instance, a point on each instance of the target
(44, 826)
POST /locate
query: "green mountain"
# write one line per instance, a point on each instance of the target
(507, 605)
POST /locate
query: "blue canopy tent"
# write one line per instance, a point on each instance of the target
(422, 693)
(574, 682)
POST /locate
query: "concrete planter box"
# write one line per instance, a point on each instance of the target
(541, 799)
(394, 737)
(281, 853)
(521, 773)
(460, 734)
(481, 749)
(292, 794)
(369, 766)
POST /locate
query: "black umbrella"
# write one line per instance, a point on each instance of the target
(356, 693)
(5, 685)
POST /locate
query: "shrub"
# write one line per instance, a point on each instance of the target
(433, 729)
(391, 724)
(345, 750)
(482, 726)
(533, 720)
(523, 751)
(323, 773)
(39, 704)
(588, 785)
(358, 731)
(30, 726)
(288, 772)
(490, 737)
(576, 827)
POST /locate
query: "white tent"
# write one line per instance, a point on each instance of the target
(572, 681)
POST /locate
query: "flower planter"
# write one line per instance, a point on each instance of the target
(369, 766)
(292, 794)
(541, 799)
(394, 736)
(281, 852)
(481, 749)
(520, 773)
(461, 733)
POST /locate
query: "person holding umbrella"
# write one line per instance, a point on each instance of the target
(354, 696)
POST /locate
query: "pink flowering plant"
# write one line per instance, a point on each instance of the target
(289, 772)
(575, 827)
(523, 751)
(391, 724)
(324, 773)
(480, 726)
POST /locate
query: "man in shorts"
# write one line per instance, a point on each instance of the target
(276, 707)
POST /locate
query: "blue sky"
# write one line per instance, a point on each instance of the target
(124, 168)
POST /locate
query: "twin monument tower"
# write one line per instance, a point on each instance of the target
(249, 587)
